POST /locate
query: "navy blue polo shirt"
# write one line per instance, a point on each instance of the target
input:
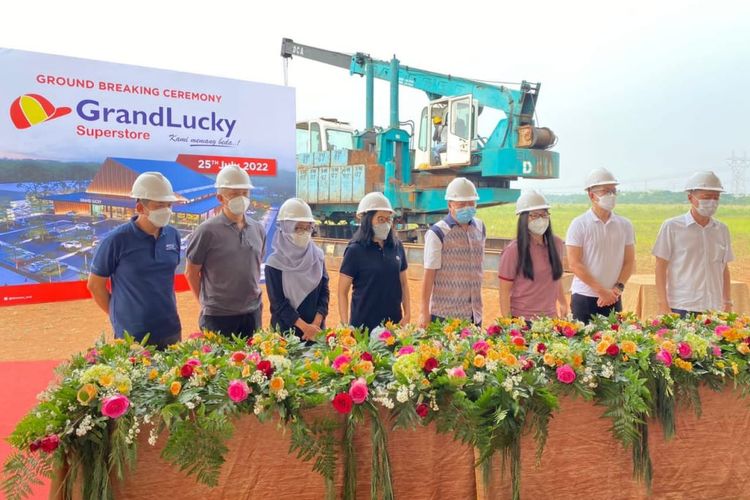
(376, 279)
(141, 269)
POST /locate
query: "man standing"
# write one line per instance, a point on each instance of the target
(453, 257)
(223, 260)
(139, 258)
(692, 254)
(601, 251)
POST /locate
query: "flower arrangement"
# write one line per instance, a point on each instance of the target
(485, 387)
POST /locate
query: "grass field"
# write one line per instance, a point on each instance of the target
(646, 219)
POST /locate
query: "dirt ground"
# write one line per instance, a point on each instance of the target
(58, 330)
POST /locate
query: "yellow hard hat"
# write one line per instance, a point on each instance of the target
(437, 119)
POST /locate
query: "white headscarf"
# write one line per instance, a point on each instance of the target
(302, 268)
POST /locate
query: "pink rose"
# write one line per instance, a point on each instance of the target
(684, 350)
(566, 374)
(384, 335)
(596, 337)
(91, 356)
(664, 356)
(115, 406)
(662, 331)
(457, 372)
(196, 335)
(254, 357)
(716, 350)
(407, 349)
(238, 390)
(493, 330)
(358, 391)
(206, 349)
(193, 362)
(568, 331)
(340, 361)
(515, 333)
(655, 322)
(481, 347)
(465, 333)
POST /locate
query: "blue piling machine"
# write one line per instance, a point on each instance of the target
(412, 163)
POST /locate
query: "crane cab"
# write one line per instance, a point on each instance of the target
(447, 133)
(323, 134)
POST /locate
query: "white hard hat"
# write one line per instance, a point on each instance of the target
(295, 209)
(705, 180)
(600, 177)
(233, 177)
(152, 186)
(531, 200)
(373, 202)
(461, 189)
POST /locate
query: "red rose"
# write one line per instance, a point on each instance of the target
(493, 330)
(519, 341)
(132, 360)
(615, 327)
(186, 371)
(527, 364)
(613, 350)
(541, 348)
(597, 336)
(266, 367)
(423, 410)
(34, 445)
(366, 356)
(343, 403)
(50, 443)
(238, 356)
(430, 365)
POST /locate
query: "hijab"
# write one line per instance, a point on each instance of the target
(302, 268)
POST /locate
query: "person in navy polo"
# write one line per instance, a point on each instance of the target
(374, 265)
(139, 259)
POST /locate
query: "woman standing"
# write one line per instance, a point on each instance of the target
(531, 265)
(375, 265)
(296, 277)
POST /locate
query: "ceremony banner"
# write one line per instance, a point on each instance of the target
(76, 133)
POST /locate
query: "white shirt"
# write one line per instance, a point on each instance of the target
(603, 248)
(697, 257)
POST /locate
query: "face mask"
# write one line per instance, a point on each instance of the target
(539, 226)
(465, 214)
(301, 239)
(160, 217)
(607, 202)
(238, 205)
(707, 207)
(381, 231)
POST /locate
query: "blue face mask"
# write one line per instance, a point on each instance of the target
(465, 214)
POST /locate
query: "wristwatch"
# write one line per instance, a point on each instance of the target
(620, 286)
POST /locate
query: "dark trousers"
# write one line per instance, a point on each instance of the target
(584, 308)
(683, 313)
(243, 325)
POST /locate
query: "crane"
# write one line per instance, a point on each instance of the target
(414, 181)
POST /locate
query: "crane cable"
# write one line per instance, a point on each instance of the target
(286, 71)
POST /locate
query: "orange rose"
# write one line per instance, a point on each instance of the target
(175, 388)
(628, 347)
(276, 384)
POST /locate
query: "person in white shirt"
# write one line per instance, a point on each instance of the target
(601, 251)
(692, 254)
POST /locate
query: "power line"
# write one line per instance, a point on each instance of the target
(739, 167)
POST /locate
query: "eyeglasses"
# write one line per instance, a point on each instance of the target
(604, 192)
(304, 229)
(384, 220)
(538, 215)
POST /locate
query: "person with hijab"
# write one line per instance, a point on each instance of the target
(296, 277)
(531, 265)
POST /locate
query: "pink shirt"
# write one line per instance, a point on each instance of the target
(530, 298)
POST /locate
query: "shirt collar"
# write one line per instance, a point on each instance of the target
(228, 222)
(595, 218)
(138, 231)
(689, 219)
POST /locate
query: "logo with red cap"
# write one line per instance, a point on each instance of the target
(33, 109)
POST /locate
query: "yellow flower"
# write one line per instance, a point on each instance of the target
(720, 365)
(493, 355)
(212, 370)
(196, 354)
(86, 394)
(146, 362)
(266, 347)
(685, 365)
(364, 367)
(119, 341)
(577, 360)
(153, 374)
(628, 347)
(601, 348)
(314, 376)
(669, 346)
(390, 340)
(625, 357)
(608, 338)
(246, 371)
(425, 382)
(348, 341)
(743, 348)
(479, 361)
(175, 388)
(276, 384)
(510, 360)
(301, 381)
(735, 369)
(106, 380)
(317, 353)
(549, 359)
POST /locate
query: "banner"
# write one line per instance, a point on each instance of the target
(75, 134)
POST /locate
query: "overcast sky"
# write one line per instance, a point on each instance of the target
(652, 90)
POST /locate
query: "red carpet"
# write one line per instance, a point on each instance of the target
(22, 381)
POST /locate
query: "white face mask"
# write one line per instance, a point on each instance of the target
(607, 202)
(238, 205)
(707, 207)
(539, 226)
(381, 231)
(160, 217)
(301, 239)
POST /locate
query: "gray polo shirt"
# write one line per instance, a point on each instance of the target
(231, 265)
